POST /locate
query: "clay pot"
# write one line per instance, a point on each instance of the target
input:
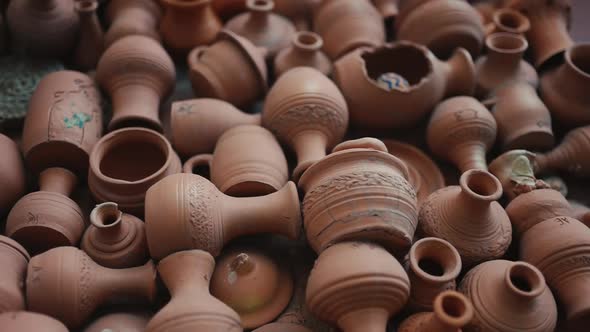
(282, 327)
(299, 12)
(68, 285)
(119, 322)
(12, 174)
(191, 307)
(558, 247)
(306, 111)
(263, 28)
(433, 266)
(508, 20)
(228, 8)
(90, 37)
(253, 284)
(30, 321)
(571, 155)
(347, 25)
(248, 161)
(186, 211)
(125, 163)
(137, 73)
(443, 26)
(461, 130)
(514, 169)
(529, 209)
(47, 218)
(397, 85)
(452, 311)
(64, 121)
(197, 124)
(503, 63)
(388, 9)
(509, 296)
(212, 70)
(469, 217)
(305, 51)
(14, 259)
(42, 28)
(357, 286)
(132, 17)
(580, 212)
(187, 24)
(115, 239)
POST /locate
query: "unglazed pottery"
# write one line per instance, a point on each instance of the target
(252, 283)
(12, 174)
(248, 161)
(357, 286)
(359, 192)
(212, 70)
(559, 248)
(388, 9)
(570, 156)
(461, 130)
(434, 264)
(187, 24)
(132, 17)
(13, 259)
(90, 43)
(191, 307)
(514, 169)
(119, 322)
(306, 111)
(451, 312)
(509, 296)
(42, 28)
(68, 285)
(580, 212)
(186, 211)
(469, 217)
(397, 85)
(228, 8)
(137, 73)
(30, 321)
(282, 327)
(347, 25)
(299, 12)
(115, 239)
(534, 207)
(508, 20)
(262, 27)
(305, 51)
(197, 124)
(125, 163)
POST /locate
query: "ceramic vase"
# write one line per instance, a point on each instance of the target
(508, 20)
(14, 259)
(132, 17)
(529, 209)
(514, 169)
(119, 322)
(12, 174)
(451, 312)
(570, 156)
(30, 321)
(90, 43)
(305, 51)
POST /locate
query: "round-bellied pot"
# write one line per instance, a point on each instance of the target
(132, 17)
(451, 312)
(305, 51)
(119, 322)
(14, 259)
(570, 156)
(12, 174)
(30, 321)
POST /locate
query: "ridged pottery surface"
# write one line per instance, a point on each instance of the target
(570, 156)
(14, 260)
(119, 322)
(514, 169)
(30, 321)
(12, 174)
(305, 51)
(451, 312)
(532, 208)
(132, 17)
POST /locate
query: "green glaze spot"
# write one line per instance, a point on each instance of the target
(78, 119)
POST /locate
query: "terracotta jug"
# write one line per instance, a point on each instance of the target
(529, 209)
(191, 307)
(115, 239)
(509, 296)
(187, 24)
(476, 225)
(433, 266)
(132, 17)
(119, 322)
(227, 9)
(397, 85)
(306, 111)
(262, 27)
(359, 192)
(12, 174)
(357, 286)
(90, 37)
(305, 51)
(68, 285)
(248, 161)
(197, 124)
(30, 321)
(186, 211)
(14, 259)
(299, 12)
(558, 247)
(570, 156)
(137, 73)
(461, 130)
(451, 312)
(508, 20)
(514, 169)
(125, 163)
(347, 25)
(42, 28)
(252, 283)
(212, 70)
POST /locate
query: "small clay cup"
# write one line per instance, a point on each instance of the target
(305, 51)
(30, 321)
(451, 312)
(120, 322)
(132, 17)
(12, 174)
(514, 169)
(14, 259)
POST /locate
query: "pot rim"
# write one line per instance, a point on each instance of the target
(447, 276)
(183, 4)
(499, 14)
(494, 37)
(569, 61)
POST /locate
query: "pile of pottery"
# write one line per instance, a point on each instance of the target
(193, 215)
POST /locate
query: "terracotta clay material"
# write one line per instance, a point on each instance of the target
(508, 20)
(212, 70)
(115, 239)
(299, 12)
(30, 321)
(306, 110)
(226, 9)
(282, 327)
(359, 192)
(570, 156)
(197, 124)
(580, 212)
(137, 73)
(357, 286)
(14, 259)
(305, 51)
(66, 284)
(469, 217)
(514, 169)
(125, 163)
(119, 322)
(452, 311)
(397, 85)
(388, 9)
(253, 284)
(248, 161)
(90, 37)
(132, 17)
(532, 208)
(191, 307)
(12, 174)
(186, 211)
(461, 130)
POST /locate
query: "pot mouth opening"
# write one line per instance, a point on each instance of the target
(260, 5)
(579, 57)
(453, 308)
(106, 215)
(308, 40)
(435, 260)
(481, 184)
(86, 6)
(505, 42)
(525, 280)
(511, 20)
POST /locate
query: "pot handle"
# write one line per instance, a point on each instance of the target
(198, 160)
